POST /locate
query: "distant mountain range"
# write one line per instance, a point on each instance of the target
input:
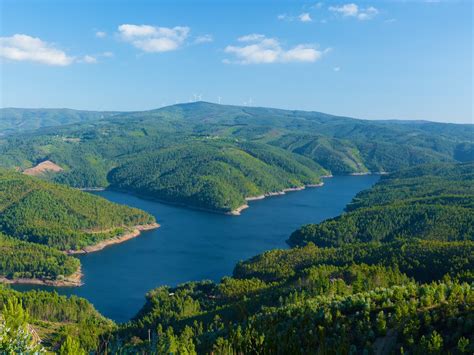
(215, 156)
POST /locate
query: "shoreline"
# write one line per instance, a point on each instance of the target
(91, 189)
(74, 280)
(369, 173)
(133, 233)
(236, 212)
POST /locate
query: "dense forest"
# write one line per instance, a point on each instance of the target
(213, 156)
(59, 216)
(215, 175)
(14, 120)
(20, 259)
(39, 220)
(406, 295)
(392, 275)
(432, 202)
(38, 321)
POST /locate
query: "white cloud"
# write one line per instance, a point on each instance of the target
(154, 39)
(251, 37)
(107, 54)
(305, 17)
(258, 49)
(204, 39)
(336, 69)
(21, 47)
(345, 10)
(282, 17)
(352, 10)
(101, 34)
(89, 59)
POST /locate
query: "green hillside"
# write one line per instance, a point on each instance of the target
(24, 260)
(14, 120)
(217, 175)
(402, 295)
(99, 152)
(430, 202)
(27, 317)
(58, 216)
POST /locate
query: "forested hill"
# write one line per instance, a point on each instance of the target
(59, 216)
(398, 295)
(410, 294)
(213, 156)
(215, 175)
(434, 202)
(14, 120)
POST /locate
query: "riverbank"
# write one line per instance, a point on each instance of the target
(91, 189)
(236, 212)
(369, 173)
(74, 280)
(133, 233)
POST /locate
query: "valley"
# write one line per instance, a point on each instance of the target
(371, 258)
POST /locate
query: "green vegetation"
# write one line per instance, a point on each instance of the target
(57, 322)
(394, 274)
(39, 220)
(14, 120)
(19, 259)
(432, 202)
(406, 295)
(216, 175)
(58, 216)
(213, 156)
(424, 260)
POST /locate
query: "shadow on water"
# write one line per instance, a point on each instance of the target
(196, 245)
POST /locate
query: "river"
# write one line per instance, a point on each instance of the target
(197, 245)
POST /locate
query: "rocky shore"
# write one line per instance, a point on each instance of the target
(133, 233)
(73, 280)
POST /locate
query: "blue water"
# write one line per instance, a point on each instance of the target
(196, 245)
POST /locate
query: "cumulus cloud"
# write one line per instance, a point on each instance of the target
(21, 47)
(305, 17)
(259, 49)
(204, 39)
(154, 39)
(101, 34)
(352, 10)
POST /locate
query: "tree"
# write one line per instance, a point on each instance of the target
(71, 347)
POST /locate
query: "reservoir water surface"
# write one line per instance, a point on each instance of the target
(194, 245)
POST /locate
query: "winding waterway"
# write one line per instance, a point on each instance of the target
(196, 245)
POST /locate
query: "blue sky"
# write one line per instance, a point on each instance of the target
(377, 59)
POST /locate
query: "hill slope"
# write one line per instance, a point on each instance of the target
(58, 216)
(430, 202)
(216, 175)
(99, 152)
(14, 120)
